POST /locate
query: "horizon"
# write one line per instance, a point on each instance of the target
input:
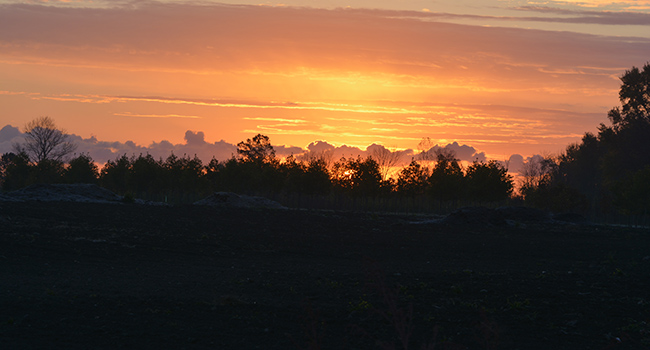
(501, 78)
(195, 145)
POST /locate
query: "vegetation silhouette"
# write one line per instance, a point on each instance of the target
(44, 141)
(605, 173)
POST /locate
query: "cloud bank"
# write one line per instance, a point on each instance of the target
(150, 70)
(195, 144)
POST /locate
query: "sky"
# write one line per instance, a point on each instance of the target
(495, 77)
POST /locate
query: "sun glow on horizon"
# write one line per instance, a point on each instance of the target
(352, 77)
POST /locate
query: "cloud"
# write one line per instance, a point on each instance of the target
(586, 16)
(135, 115)
(352, 77)
(320, 146)
(614, 4)
(515, 163)
(462, 152)
(9, 135)
(195, 144)
(102, 151)
(195, 138)
(174, 38)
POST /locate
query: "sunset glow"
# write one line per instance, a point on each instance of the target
(504, 77)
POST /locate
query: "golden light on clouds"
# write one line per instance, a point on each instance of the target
(347, 76)
(601, 3)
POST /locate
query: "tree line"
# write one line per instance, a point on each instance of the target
(255, 170)
(603, 173)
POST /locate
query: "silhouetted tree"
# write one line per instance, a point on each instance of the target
(325, 157)
(257, 149)
(447, 179)
(424, 147)
(488, 181)
(626, 141)
(147, 175)
(5, 160)
(48, 171)
(248, 177)
(634, 193)
(116, 175)
(16, 171)
(359, 177)
(317, 177)
(601, 168)
(184, 174)
(634, 96)
(44, 141)
(310, 178)
(413, 179)
(293, 172)
(537, 172)
(81, 169)
(386, 160)
(212, 173)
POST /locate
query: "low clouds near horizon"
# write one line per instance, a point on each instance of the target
(358, 76)
(195, 144)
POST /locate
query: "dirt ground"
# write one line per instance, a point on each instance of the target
(107, 276)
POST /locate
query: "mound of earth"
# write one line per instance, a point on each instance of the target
(4, 198)
(524, 214)
(570, 217)
(475, 216)
(86, 193)
(496, 217)
(229, 199)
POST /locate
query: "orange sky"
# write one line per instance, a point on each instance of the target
(356, 76)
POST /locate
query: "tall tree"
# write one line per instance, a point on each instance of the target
(447, 179)
(606, 169)
(386, 159)
(358, 176)
(625, 144)
(16, 171)
(81, 169)
(425, 145)
(634, 96)
(412, 179)
(257, 149)
(44, 141)
(488, 181)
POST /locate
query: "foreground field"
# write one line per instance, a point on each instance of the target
(105, 276)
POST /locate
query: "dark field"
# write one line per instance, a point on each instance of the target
(95, 276)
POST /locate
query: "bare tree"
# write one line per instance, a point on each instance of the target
(385, 159)
(537, 171)
(324, 156)
(445, 156)
(43, 141)
(423, 148)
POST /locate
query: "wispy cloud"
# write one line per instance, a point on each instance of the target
(562, 15)
(136, 115)
(585, 16)
(291, 121)
(604, 3)
(371, 107)
(345, 75)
